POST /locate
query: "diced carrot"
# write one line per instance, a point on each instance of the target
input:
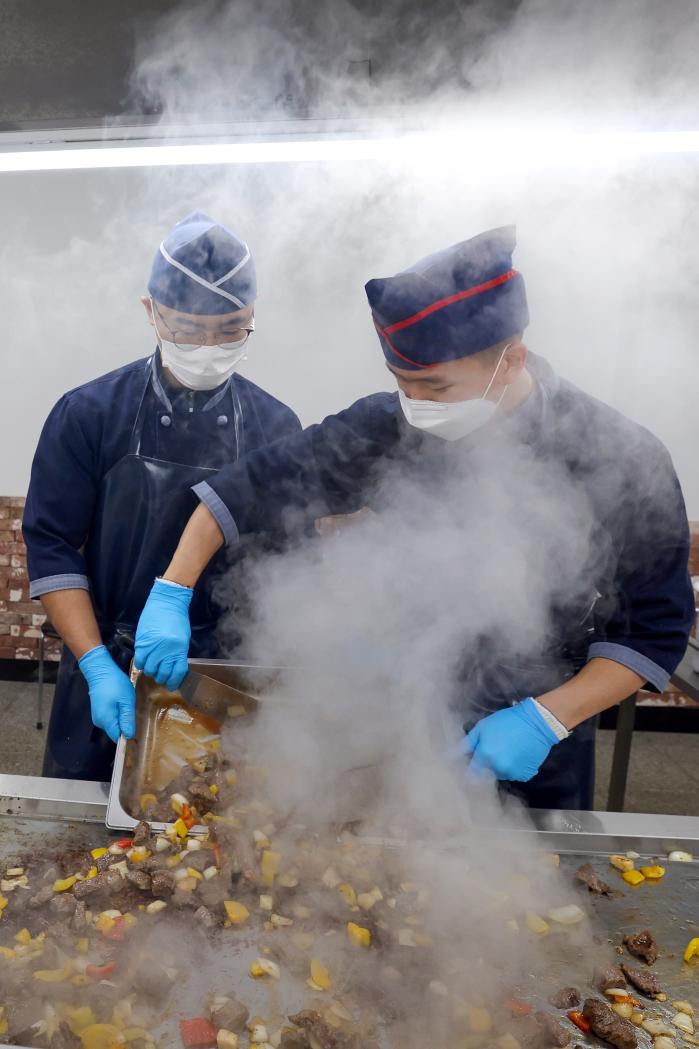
(581, 1022)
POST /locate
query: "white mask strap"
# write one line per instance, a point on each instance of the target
(497, 368)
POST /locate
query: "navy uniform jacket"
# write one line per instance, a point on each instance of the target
(635, 562)
(90, 429)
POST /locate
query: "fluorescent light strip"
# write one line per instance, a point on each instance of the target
(474, 147)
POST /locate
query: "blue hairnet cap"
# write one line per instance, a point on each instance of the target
(202, 267)
(452, 304)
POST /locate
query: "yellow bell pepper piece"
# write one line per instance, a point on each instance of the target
(180, 828)
(4, 1026)
(80, 1018)
(24, 936)
(147, 799)
(237, 913)
(83, 945)
(101, 1036)
(269, 865)
(479, 1020)
(692, 949)
(348, 894)
(97, 854)
(192, 873)
(653, 873)
(633, 877)
(231, 777)
(3, 903)
(81, 980)
(320, 975)
(8, 953)
(63, 884)
(92, 873)
(213, 789)
(536, 924)
(358, 935)
(53, 975)
(104, 923)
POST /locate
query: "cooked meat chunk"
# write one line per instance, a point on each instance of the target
(162, 883)
(63, 905)
(294, 1040)
(608, 1026)
(321, 1032)
(232, 1016)
(142, 834)
(587, 875)
(151, 980)
(106, 861)
(83, 889)
(140, 879)
(644, 981)
(566, 998)
(609, 976)
(642, 945)
(43, 896)
(552, 1030)
(20, 1015)
(64, 1038)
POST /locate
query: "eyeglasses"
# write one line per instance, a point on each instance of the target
(195, 338)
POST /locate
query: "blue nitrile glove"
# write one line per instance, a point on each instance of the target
(163, 634)
(512, 743)
(112, 696)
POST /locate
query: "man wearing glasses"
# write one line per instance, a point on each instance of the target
(112, 476)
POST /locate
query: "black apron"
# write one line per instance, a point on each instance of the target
(142, 508)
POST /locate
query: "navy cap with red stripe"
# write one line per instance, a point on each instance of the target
(452, 304)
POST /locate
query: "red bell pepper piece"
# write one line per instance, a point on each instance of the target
(124, 843)
(197, 1032)
(117, 930)
(518, 1008)
(101, 972)
(188, 817)
(581, 1022)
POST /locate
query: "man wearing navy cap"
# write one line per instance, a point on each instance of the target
(111, 482)
(475, 408)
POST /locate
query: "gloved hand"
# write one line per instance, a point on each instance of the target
(512, 743)
(112, 696)
(163, 634)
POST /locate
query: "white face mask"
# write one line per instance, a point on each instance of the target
(202, 367)
(456, 419)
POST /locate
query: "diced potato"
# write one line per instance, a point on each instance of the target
(226, 1039)
(331, 878)
(161, 843)
(568, 915)
(178, 802)
(14, 872)
(156, 907)
(320, 975)
(677, 856)
(622, 863)
(623, 1009)
(258, 1033)
(266, 903)
(237, 913)
(278, 921)
(210, 872)
(536, 924)
(261, 840)
(358, 935)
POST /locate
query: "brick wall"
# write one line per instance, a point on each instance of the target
(21, 619)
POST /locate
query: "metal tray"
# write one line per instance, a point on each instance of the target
(211, 690)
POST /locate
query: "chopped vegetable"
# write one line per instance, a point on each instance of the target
(180, 828)
(621, 863)
(358, 935)
(264, 967)
(535, 923)
(101, 972)
(677, 856)
(518, 1008)
(197, 1032)
(320, 975)
(97, 854)
(653, 873)
(348, 894)
(53, 975)
(269, 866)
(3, 903)
(63, 884)
(662, 1041)
(633, 877)
(580, 1021)
(684, 1022)
(479, 1020)
(684, 1007)
(692, 949)
(569, 915)
(156, 906)
(237, 913)
(116, 930)
(226, 1039)
(623, 1009)
(654, 1026)
(101, 1036)
(266, 903)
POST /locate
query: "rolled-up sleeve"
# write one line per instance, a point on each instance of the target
(286, 485)
(650, 603)
(60, 503)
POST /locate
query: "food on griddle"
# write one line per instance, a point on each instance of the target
(320, 1031)
(553, 1033)
(587, 875)
(644, 981)
(642, 945)
(622, 863)
(566, 998)
(608, 1026)
(608, 976)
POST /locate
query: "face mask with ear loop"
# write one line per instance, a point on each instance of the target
(456, 419)
(201, 367)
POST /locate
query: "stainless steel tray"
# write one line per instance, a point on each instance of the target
(211, 689)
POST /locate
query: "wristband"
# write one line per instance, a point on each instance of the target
(557, 727)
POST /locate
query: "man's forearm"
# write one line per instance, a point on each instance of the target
(200, 540)
(73, 616)
(601, 684)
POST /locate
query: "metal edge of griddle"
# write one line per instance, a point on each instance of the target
(36, 797)
(574, 832)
